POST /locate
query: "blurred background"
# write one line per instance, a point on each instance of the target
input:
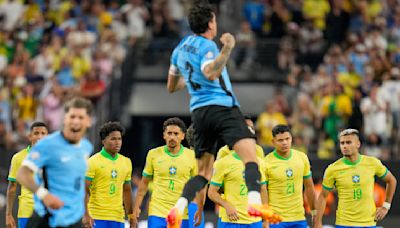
(317, 65)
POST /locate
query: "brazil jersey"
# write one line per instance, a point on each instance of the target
(229, 174)
(169, 172)
(223, 151)
(189, 59)
(25, 199)
(354, 183)
(285, 183)
(108, 175)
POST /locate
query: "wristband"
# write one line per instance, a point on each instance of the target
(313, 212)
(41, 192)
(386, 205)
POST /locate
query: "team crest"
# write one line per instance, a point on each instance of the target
(172, 170)
(114, 174)
(356, 179)
(289, 172)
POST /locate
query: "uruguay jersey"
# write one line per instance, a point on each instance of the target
(189, 59)
(354, 183)
(223, 151)
(229, 173)
(285, 183)
(65, 165)
(25, 199)
(108, 175)
(170, 172)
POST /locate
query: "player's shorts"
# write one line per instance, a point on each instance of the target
(192, 208)
(159, 222)
(237, 225)
(295, 224)
(22, 222)
(108, 224)
(213, 124)
(337, 226)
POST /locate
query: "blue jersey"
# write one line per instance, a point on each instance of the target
(189, 59)
(65, 165)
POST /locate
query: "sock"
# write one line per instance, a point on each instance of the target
(254, 197)
(181, 204)
(252, 178)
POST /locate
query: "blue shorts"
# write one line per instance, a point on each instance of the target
(296, 224)
(108, 224)
(159, 222)
(192, 208)
(238, 225)
(22, 222)
(219, 224)
(337, 226)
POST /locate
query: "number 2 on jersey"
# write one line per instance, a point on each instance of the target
(194, 85)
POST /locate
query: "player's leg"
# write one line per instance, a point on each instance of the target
(22, 222)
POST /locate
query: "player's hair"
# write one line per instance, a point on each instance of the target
(190, 136)
(280, 129)
(175, 121)
(247, 117)
(200, 14)
(39, 124)
(349, 131)
(109, 127)
(79, 102)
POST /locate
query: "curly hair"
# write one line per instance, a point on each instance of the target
(175, 121)
(199, 16)
(280, 129)
(109, 127)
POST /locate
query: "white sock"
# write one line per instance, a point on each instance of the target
(254, 197)
(181, 204)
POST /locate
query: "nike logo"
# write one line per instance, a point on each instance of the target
(65, 159)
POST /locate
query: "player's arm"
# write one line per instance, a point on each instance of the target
(216, 198)
(87, 220)
(310, 192)
(213, 70)
(127, 196)
(11, 195)
(175, 82)
(142, 190)
(391, 183)
(320, 206)
(264, 194)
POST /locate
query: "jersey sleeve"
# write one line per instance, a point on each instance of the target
(91, 172)
(38, 157)
(217, 178)
(173, 67)
(262, 169)
(307, 167)
(12, 175)
(208, 53)
(128, 177)
(222, 152)
(329, 180)
(148, 168)
(380, 170)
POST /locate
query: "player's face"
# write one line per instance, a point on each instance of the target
(349, 145)
(36, 134)
(173, 136)
(283, 142)
(76, 121)
(113, 142)
(213, 26)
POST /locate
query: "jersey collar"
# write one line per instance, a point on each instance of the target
(171, 154)
(235, 155)
(28, 148)
(348, 162)
(107, 155)
(281, 157)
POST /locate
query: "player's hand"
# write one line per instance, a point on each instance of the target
(381, 213)
(198, 216)
(52, 201)
(10, 222)
(87, 221)
(135, 217)
(231, 212)
(228, 40)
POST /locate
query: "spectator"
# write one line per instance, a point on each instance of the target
(244, 53)
(254, 13)
(338, 21)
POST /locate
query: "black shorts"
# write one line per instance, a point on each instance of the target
(35, 221)
(216, 126)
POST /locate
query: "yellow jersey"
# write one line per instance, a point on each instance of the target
(229, 174)
(25, 199)
(284, 178)
(169, 172)
(354, 183)
(223, 151)
(108, 175)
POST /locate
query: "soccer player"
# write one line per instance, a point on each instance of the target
(59, 164)
(38, 130)
(108, 182)
(198, 64)
(169, 167)
(287, 170)
(353, 176)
